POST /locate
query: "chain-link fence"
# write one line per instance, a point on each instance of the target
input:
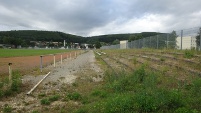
(183, 39)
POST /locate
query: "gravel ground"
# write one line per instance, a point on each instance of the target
(62, 74)
(65, 72)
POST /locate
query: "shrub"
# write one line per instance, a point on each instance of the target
(185, 110)
(74, 96)
(6, 89)
(41, 95)
(119, 104)
(54, 98)
(7, 109)
(196, 87)
(99, 93)
(81, 111)
(188, 54)
(45, 101)
(35, 111)
(16, 81)
(145, 102)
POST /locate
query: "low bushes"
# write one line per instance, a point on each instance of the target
(47, 101)
(7, 88)
(143, 91)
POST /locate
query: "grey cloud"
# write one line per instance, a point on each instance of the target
(82, 17)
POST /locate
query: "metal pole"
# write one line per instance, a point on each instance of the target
(181, 38)
(150, 42)
(54, 61)
(70, 55)
(75, 54)
(200, 39)
(139, 43)
(167, 40)
(61, 59)
(41, 63)
(10, 72)
(157, 40)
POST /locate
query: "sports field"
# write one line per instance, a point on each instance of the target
(29, 52)
(27, 60)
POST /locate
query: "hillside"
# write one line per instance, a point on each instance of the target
(33, 35)
(24, 37)
(129, 36)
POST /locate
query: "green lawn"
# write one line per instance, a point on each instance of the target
(29, 52)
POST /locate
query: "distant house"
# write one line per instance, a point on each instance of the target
(5, 46)
(1, 46)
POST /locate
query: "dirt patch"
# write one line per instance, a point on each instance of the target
(29, 63)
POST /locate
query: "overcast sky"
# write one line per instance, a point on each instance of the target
(97, 17)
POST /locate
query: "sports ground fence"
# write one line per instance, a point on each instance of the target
(183, 39)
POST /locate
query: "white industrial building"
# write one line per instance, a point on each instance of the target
(188, 42)
(124, 44)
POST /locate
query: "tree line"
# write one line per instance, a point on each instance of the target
(25, 38)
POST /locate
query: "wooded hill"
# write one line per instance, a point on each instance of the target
(34, 35)
(25, 36)
(130, 36)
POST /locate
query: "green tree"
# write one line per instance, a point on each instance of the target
(116, 42)
(198, 38)
(172, 40)
(12, 41)
(98, 45)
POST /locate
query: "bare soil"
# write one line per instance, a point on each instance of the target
(29, 63)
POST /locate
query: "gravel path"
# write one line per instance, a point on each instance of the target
(64, 73)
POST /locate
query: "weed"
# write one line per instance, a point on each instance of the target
(54, 98)
(45, 101)
(188, 54)
(35, 111)
(81, 111)
(99, 93)
(16, 82)
(140, 74)
(119, 104)
(85, 100)
(7, 109)
(74, 96)
(41, 95)
(134, 60)
(74, 84)
(162, 59)
(6, 89)
(185, 110)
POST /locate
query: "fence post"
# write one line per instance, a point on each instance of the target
(200, 39)
(54, 61)
(150, 42)
(61, 59)
(181, 38)
(139, 44)
(41, 63)
(157, 41)
(10, 73)
(167, 38)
